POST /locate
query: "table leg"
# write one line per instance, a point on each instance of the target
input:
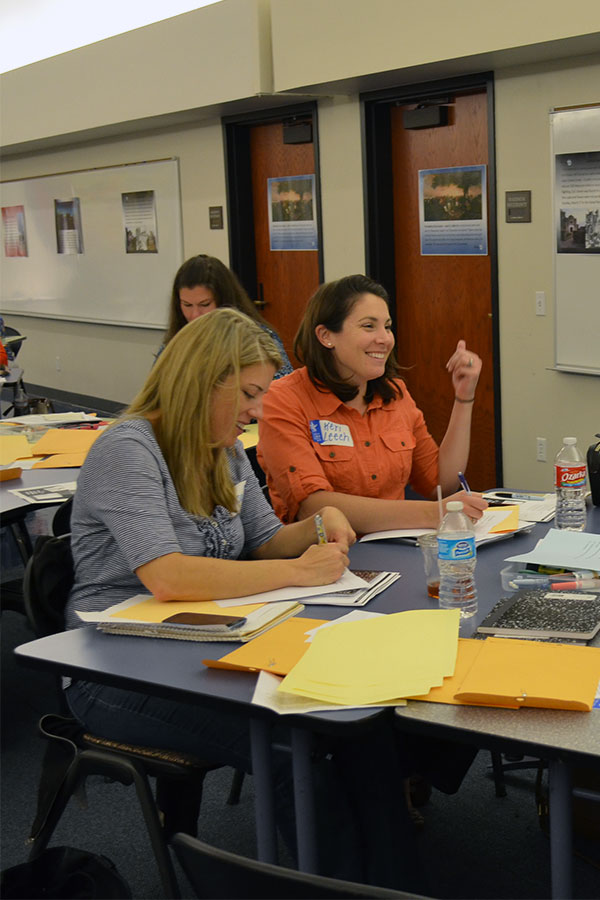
(304, 799)
(561, 829)
(262, 770)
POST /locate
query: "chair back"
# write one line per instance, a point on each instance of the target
(61, 521)
(47, 582)
(12, 346)
(219, 874)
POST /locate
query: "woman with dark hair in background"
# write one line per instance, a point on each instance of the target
(202, 284)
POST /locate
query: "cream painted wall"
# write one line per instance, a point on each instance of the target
(211, 55)
(355, 37)
(108, 361)
(536, 401)
(341, 186)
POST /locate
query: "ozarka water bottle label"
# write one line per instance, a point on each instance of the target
(456, 550)
(570, 476)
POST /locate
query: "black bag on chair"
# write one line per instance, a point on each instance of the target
(64, 872)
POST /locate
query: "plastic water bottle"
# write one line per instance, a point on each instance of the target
(569, 468)
(457, 557)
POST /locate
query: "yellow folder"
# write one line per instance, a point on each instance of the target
(276, 651)
(65, 440)
(13, 446)
(519, 673)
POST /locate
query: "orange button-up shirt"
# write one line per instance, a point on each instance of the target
(373, 455)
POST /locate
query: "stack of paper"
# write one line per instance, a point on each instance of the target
(189, 621)
(64, 448)
(376, 583)
(496, 523)
(378, 659)
(567, 549)
(532, 507)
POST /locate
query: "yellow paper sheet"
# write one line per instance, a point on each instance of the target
(151, 610)
(14, 446)
(61, 461)
(65, 440)
(276, 651)
(533, 673)
(377, 659)
(509, 523)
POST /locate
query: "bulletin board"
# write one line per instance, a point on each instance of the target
(576, 237)
(97, 245)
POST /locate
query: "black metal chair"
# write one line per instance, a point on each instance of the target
(14, 381)
(72, 754)
(215, 873)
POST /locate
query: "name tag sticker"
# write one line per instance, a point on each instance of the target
(239, 493)
(330, 433)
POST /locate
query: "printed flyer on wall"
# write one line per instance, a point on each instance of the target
(139, 218)
(453, 211)
(577, 198)
(13, 227)
(292, 214)
(67, 218)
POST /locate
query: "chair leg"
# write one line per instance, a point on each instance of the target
(179, 801)
(91, 762)
(498, 774)
(236, 787)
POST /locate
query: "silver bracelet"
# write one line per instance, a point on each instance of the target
(459, 400)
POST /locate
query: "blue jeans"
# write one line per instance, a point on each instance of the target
(363, 829)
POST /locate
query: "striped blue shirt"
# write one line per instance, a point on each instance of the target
(126, 512)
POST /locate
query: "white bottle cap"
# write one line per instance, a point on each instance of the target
(454, 506)
(569, 440)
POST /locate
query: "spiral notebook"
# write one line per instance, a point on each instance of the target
(573, 615)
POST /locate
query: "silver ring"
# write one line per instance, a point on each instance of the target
(470, 363)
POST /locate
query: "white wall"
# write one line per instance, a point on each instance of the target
(324, 41)
(107, 361)
(205, 57)
(536, 401)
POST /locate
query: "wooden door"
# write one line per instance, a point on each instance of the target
(285, 279)
(441, 299)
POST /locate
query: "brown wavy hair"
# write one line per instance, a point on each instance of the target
(330, 306)
(209, 272)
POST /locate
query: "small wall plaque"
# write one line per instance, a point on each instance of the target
(215, 217)
(518, 206)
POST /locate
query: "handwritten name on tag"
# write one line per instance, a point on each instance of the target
(330, 433)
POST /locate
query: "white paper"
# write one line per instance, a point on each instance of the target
(46, 493)
(266, 694)
(482, 528)
(347, 582)
(564, 549)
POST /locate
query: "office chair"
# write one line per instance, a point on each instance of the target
(20, 403)
(72, 754)
(215, 873)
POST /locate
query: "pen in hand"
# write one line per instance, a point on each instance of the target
(321, 533)
(464, 483)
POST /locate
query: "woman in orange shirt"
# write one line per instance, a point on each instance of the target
(344, 429)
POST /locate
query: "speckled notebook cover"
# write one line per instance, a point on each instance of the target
(549, 614)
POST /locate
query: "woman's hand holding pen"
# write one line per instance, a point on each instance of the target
(337, 528)
(320, 564)
(474, 505)
(465, 367)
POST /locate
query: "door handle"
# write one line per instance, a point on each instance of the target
(261, 302)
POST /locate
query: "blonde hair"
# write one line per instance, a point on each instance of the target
(176, 399)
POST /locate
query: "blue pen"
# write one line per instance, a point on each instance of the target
(464, 483)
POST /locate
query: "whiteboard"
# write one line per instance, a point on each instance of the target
(576, 178)
(104, 283)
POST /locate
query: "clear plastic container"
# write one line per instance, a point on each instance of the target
(457, 557)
